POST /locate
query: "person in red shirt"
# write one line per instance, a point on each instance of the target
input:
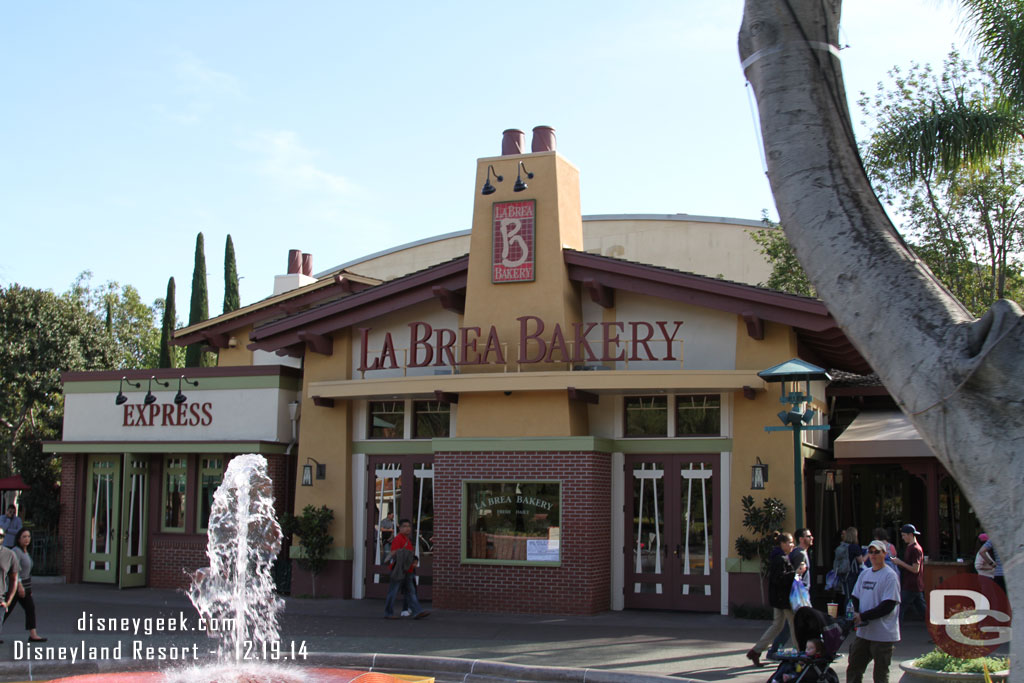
(911, 573)
(403, 561)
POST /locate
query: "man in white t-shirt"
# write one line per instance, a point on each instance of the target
(876, 598)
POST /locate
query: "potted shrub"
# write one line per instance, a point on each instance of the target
(939, 666)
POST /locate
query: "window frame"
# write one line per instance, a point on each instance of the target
(465, 521)
(177, 470)
(202, 470)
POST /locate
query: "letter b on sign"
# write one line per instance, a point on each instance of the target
(969, 616)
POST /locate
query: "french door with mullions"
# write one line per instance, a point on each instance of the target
(117, 500)
(672, 532)
(403, 485)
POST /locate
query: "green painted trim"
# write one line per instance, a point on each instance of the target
(513, 563)
(737, 565)
(284, 382)
(691, 445)
(393, 447)
(588, 444)
(263, 447)
(297, 552)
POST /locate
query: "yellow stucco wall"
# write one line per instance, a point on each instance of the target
(326, 435)
(750, 441)
(534, 413)
(239, 355)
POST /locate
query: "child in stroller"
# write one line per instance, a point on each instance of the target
(819, 638)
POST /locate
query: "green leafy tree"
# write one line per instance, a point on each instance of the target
(169, 353)
(311, 528)
(762, 522)
(966, 221)
(129, 322)
(42, 334)
(231, 300)
(787, 273)
(199, 310)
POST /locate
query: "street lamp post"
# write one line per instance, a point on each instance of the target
(796, 417)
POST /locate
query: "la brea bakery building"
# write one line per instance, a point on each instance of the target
(567, 408)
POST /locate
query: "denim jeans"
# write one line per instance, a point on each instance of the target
(412, 602)
(912, 600)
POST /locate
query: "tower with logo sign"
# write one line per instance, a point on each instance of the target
(517, 282)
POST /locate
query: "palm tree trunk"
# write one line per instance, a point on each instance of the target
(960, 381)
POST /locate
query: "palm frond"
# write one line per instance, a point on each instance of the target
(998, 27)
(951, 135)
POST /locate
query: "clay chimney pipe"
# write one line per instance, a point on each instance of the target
(543, 139)
(307, 265)
(513, 141)
(294, 261)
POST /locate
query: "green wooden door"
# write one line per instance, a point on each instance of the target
(134, 521)
(102, 497)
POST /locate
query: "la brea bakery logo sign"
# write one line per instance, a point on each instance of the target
(538, 343)
(513, 241)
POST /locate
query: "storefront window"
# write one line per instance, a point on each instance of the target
(513, 521)
(211, 472)
(431, 419)
(387, 420)
(646, 416)
(175, 469)
(698, 415)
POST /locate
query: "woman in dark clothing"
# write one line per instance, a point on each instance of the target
(780, 579)
(24, 593)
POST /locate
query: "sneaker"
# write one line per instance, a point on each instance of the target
(753, 656)
(406, 613)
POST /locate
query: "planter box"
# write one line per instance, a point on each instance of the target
(914, 674)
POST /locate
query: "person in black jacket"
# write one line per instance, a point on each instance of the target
(780, 579)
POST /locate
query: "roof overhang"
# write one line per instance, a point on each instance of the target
(883, 434)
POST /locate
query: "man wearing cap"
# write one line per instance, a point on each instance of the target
(911, 573)
(875, 597)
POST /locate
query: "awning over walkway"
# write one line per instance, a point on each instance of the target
(15, 483)
(883, 434)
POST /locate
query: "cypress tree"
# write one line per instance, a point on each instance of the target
(167, 355)
(200, 310)
(231, 300)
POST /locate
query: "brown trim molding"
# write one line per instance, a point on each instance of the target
(175, 373)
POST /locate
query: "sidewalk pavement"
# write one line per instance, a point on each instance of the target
(623, 646)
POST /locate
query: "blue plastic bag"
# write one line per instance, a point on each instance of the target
(799, 596)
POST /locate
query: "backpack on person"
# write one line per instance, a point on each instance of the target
(841, 564)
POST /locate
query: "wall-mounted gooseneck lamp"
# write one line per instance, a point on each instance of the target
(520, 185)
(150, 398)
(180, 397)
(307, 471)
(488, 188)
(121, 399)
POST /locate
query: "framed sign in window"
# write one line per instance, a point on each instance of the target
(512, 522)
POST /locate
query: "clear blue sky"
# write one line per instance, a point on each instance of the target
(343, 128)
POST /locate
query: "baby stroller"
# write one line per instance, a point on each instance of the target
(796, 666)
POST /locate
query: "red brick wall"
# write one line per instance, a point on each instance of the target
(171, 556)
(69, 526)
(581, 585)
(334, 581)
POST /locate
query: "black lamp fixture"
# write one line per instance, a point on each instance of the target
(758, 475)
(488, 188)
(307, 471)
(520, 185)
(150, 398)
(180, 397)
(121, 399)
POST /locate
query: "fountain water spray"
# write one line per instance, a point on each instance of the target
(236, 592)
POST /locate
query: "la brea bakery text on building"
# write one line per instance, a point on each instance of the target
(553, 399)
